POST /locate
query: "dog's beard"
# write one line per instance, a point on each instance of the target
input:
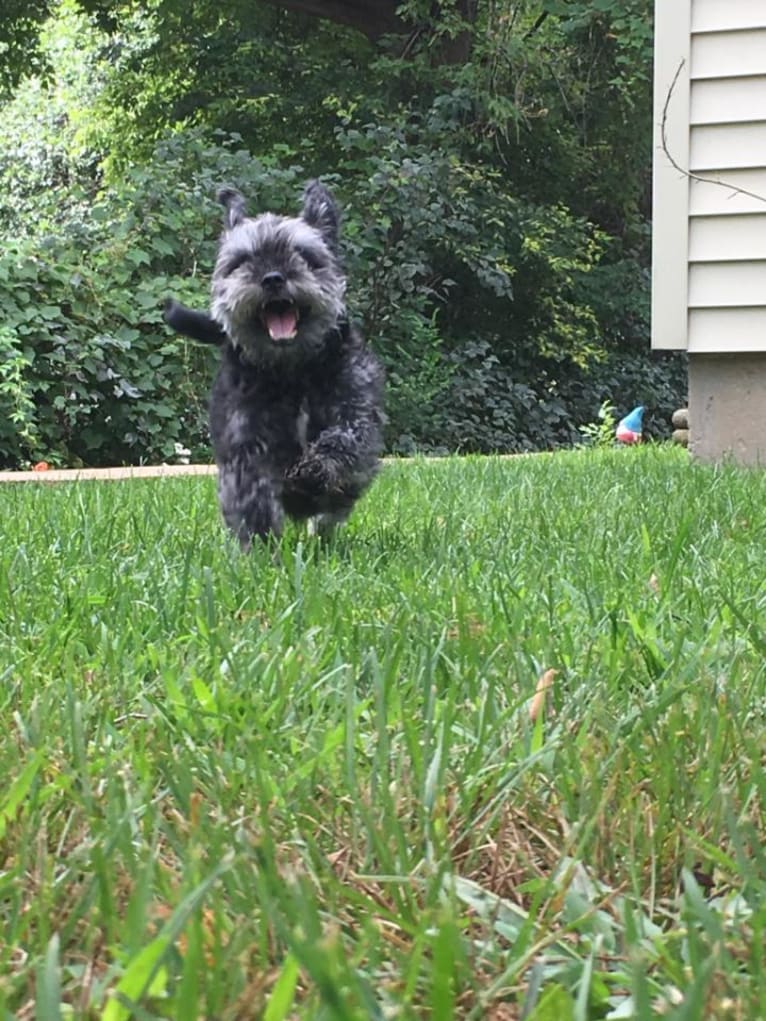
(267, 327)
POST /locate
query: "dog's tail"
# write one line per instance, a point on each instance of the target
(190, 323)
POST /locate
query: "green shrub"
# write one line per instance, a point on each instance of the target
(474, 302)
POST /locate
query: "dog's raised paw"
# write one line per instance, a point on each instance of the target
(310, 475)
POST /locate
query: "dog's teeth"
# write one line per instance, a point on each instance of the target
(282, 323)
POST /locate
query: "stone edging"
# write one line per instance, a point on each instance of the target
(108, 474)
(157, 471)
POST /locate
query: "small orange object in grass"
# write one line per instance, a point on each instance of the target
(538, 700)
(41, 466)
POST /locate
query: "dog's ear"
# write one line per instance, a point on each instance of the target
(234, 207)
(321, 212)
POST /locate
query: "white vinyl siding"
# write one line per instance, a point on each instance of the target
(728, 54)
(714, 15)
(670, 226)
(728, 100)
(712, 328)
(742, 145)
(709, 253)
(727, 284)
(725, 193)
(726, 239)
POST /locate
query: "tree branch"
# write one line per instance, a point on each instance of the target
(677, 166)
(373, 18)
(537, 25)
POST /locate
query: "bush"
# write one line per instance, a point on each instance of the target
(86, 377)
(473, 300)
(497, 260)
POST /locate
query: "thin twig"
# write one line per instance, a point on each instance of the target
(676, 165)
(537, 25)
(129, 716)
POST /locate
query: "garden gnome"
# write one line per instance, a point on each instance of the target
(629, 428)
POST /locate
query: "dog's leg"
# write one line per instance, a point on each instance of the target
(190, 323)
(343, 457)
(325, 525)
(338, 465)
(250, 503)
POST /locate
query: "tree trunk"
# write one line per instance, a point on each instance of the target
(458, 50)
(374, 18)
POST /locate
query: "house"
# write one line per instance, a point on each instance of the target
(709, 233)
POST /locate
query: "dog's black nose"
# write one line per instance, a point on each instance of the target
(272, 280)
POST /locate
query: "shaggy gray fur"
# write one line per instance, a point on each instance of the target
(296, 410)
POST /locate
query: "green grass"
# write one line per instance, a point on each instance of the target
(305, 783)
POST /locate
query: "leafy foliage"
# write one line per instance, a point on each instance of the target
(49, 171)
(601, 433)
(79, 386)
(497, 260)
(19, 50)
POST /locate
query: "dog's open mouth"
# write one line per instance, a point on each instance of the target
(280, 319)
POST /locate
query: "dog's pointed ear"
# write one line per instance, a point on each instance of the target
(321, 212)
(234, 207)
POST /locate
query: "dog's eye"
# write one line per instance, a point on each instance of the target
(234, 263)
(312, 259)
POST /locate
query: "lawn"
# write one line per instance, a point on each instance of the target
(304, 783)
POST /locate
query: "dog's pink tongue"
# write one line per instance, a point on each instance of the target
(282, 325)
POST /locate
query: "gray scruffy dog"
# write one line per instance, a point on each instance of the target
(296, 411)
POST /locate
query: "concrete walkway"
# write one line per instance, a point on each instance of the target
(108, 474)
(158, 471)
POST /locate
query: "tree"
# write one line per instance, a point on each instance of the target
(20, 22)
(496, 225)
(372, 18)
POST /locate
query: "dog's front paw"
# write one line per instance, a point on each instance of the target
(310, 475)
